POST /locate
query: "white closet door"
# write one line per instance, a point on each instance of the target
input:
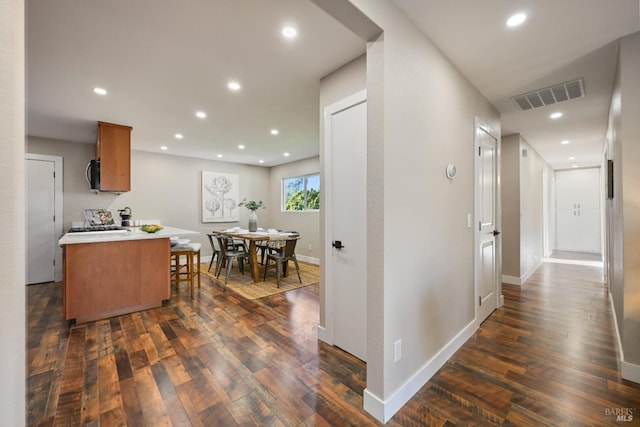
(578, 210)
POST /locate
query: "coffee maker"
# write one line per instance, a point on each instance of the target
(125, 216)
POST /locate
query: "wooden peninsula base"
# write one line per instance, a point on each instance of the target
(106, 279)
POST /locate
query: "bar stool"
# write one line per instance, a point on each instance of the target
(185, 265)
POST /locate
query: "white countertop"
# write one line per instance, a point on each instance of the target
(132, 233)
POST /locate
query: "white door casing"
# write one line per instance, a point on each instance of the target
(344, 204)
(487, 255)
(43, 212)
(40, 218)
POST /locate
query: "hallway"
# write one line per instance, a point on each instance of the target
(548, 357)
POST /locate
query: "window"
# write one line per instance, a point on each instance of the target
(301, 193)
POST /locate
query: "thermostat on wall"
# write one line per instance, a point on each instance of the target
(451, 171)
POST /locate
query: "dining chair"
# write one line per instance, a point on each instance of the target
(228, 255)
(215, 247)
(271, 246)
(281, 258)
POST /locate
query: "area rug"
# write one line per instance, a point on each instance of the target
(244, 285)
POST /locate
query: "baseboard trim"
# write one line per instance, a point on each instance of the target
(308, 259)
(528, 274)
(511, 280)
(323, 335)
(383, 410)
(518, 281)
(630, 371)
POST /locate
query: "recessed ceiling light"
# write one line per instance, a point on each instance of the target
(241, 147)
(274, 131)
(572, 158)
(574, 166)
(164, 147)
(201, 114)
(99, 91)
(289, 32)
(565, 142)
(233, 85)
(556, 115)
(260, 161)
(516, 20)
(178, 136)
(286, 154)
(219, 156)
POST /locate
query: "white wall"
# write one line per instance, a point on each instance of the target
(345, 81)
(12, 239)
(163, 187)
(531, 223)
(168, 188)
(623, 211)
(522, 208)
(510, 193)
(421, 115)
(306, 223)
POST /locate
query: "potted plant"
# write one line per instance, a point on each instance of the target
(253, 206)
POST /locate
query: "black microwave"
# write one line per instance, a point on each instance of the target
(93, 174)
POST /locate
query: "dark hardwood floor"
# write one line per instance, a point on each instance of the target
(548, 357)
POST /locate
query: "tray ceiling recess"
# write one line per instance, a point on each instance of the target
(550, 95)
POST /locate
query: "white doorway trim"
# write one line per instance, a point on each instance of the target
(546, 233)
(482, 126)
(58, 208)
(326, 332)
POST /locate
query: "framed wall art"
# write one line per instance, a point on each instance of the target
(220, 193)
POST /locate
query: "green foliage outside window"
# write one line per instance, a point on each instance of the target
(296, 201)
(302, 193)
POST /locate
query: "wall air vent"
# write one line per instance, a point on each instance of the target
(550, 95)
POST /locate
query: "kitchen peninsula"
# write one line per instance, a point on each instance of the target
(115, 272)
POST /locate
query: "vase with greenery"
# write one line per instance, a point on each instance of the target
(253, 206)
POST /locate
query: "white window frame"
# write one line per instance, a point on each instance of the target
(305, 178)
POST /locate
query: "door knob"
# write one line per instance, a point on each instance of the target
(496, 232)
(337, 244)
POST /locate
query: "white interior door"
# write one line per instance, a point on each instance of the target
(486, 250)
(578, 219)
(40, 212)
(345, 222)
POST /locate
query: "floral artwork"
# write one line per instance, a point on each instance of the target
(220, 197)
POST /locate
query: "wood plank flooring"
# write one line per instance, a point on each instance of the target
(548, 357)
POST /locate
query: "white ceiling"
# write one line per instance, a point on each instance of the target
(561, 40)
(161, 63)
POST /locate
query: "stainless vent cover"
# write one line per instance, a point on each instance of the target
(550, 95)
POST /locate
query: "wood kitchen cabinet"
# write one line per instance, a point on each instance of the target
(111, 278)
(113, 149)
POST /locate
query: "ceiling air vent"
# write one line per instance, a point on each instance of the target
(550, 95)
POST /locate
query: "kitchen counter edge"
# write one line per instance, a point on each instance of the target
(134, 233)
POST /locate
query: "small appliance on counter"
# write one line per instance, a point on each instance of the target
(125, 216)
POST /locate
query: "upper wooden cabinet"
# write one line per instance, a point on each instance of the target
(113, 149)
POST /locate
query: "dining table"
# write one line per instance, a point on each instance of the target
(253, 237)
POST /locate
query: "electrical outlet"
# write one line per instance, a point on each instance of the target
(397, 351)
(309, 247)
